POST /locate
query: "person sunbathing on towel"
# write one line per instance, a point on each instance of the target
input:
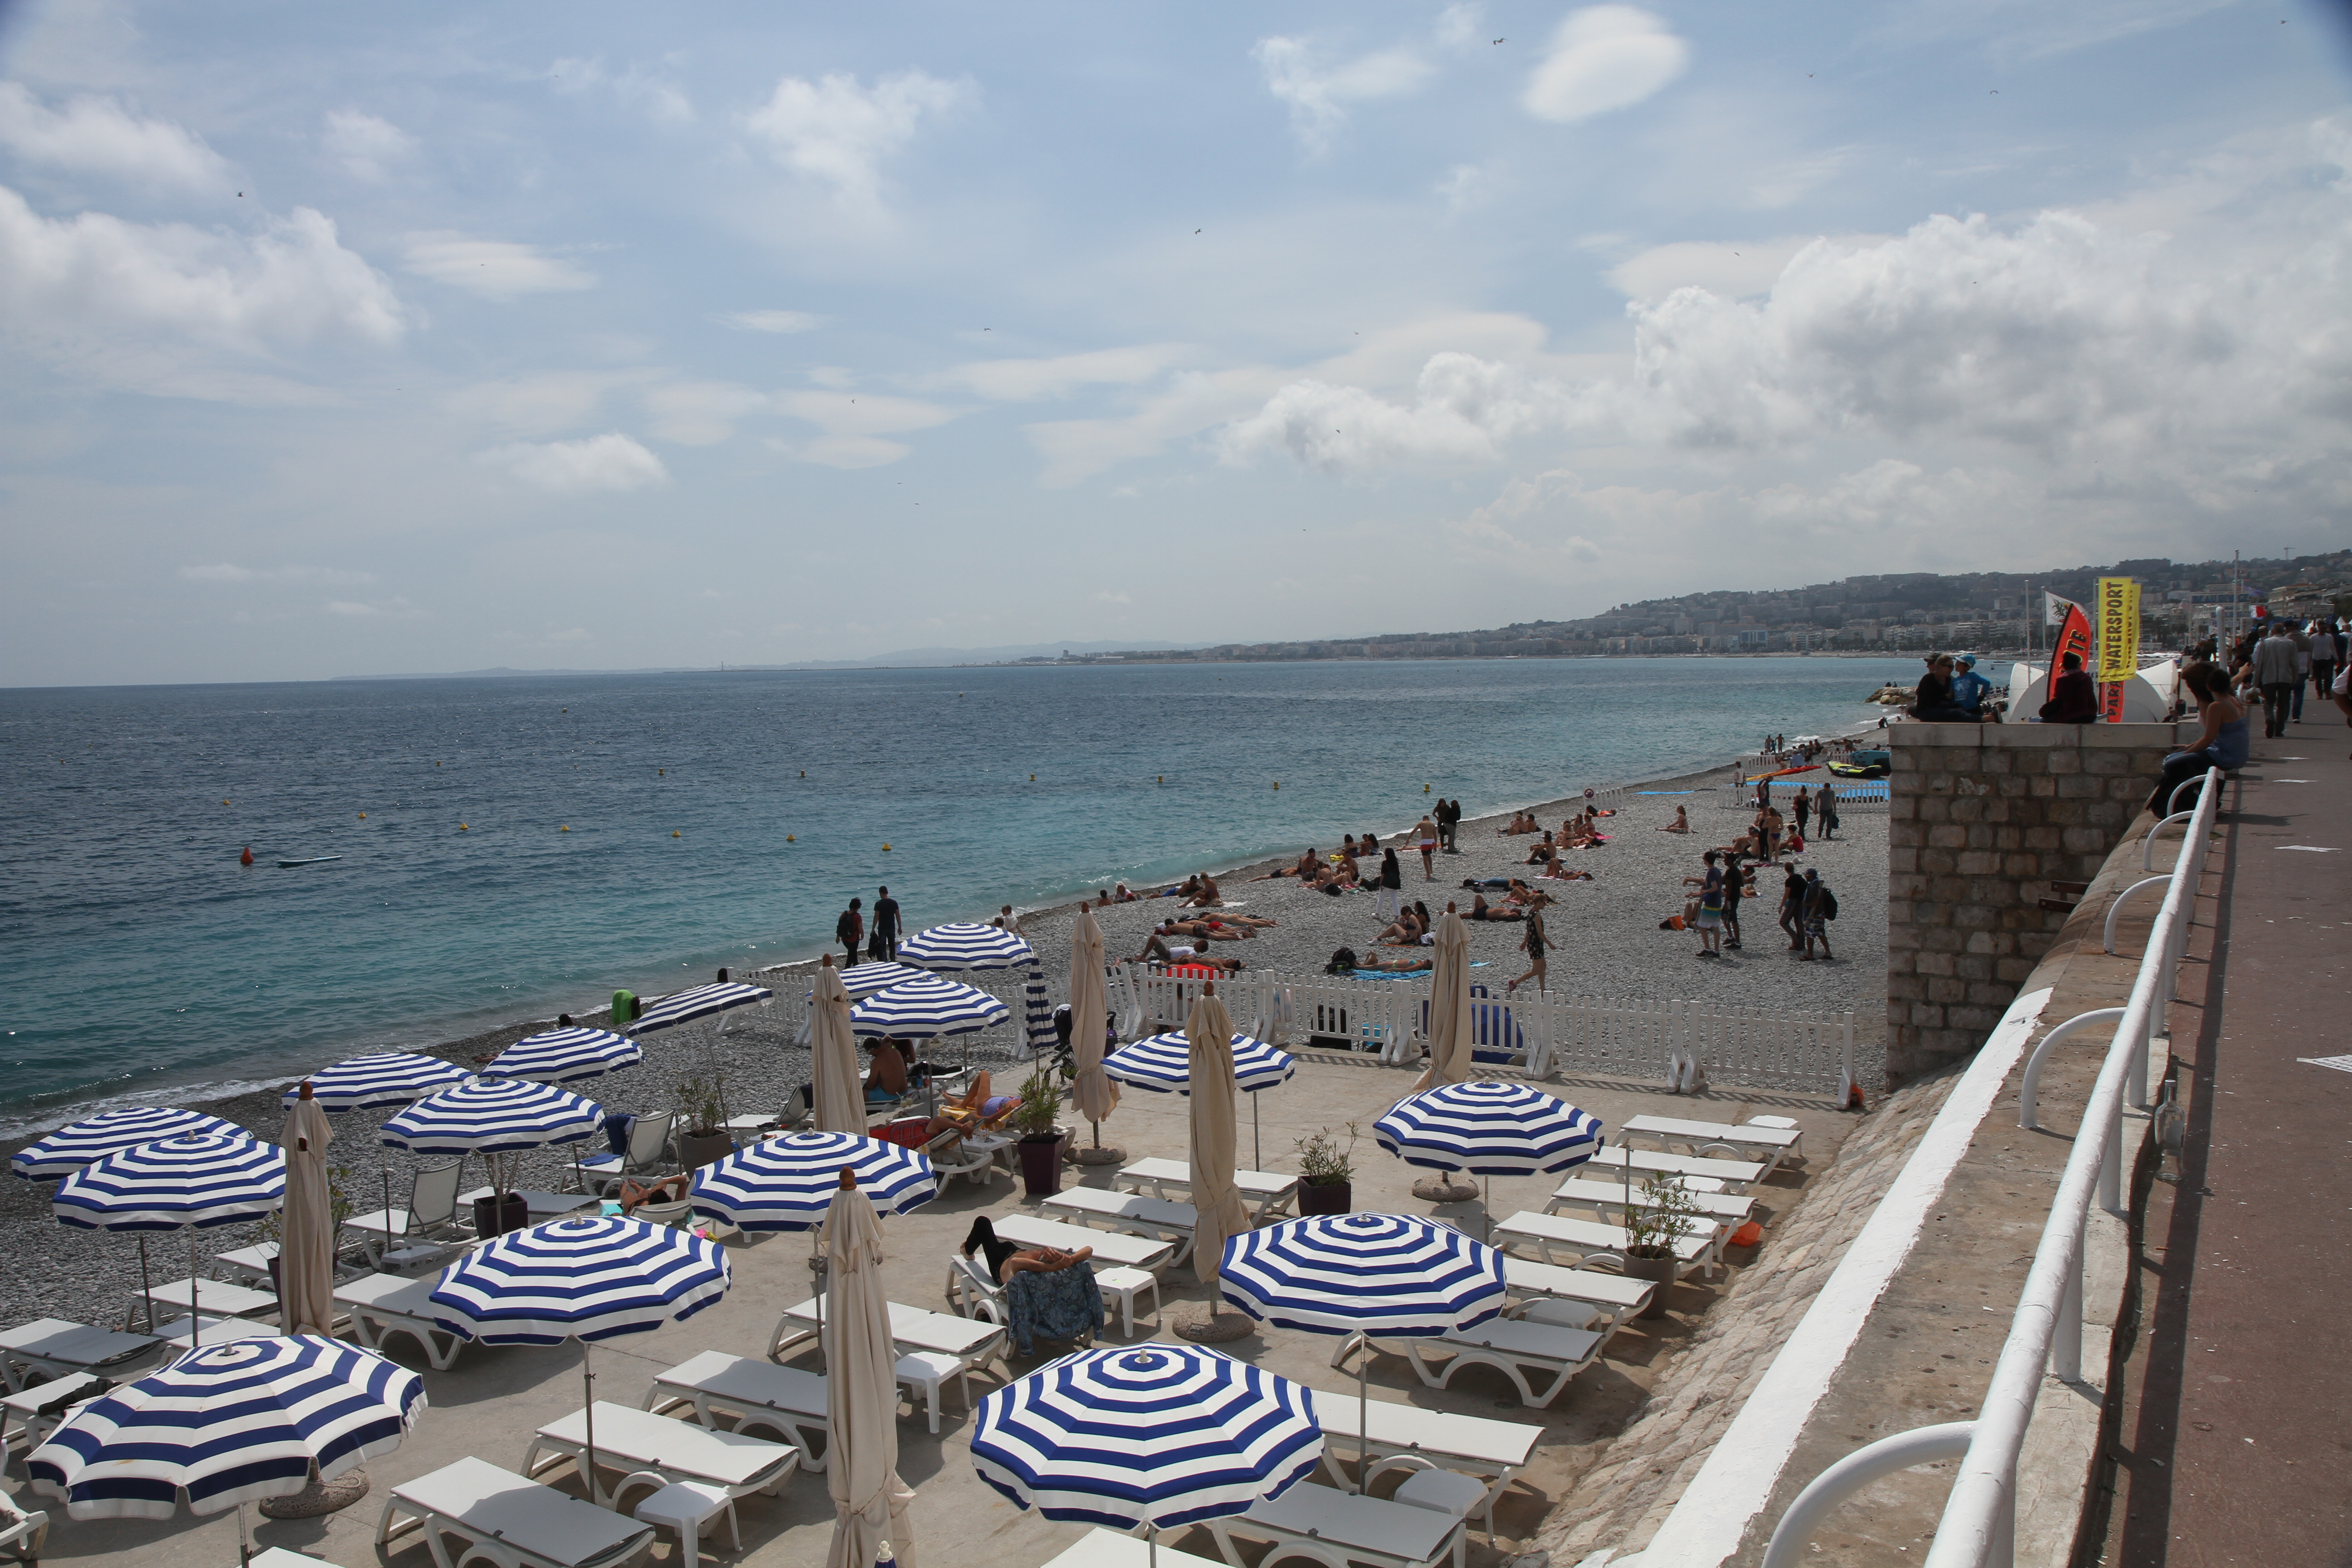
(1405, 932)
(1681, 823)
(1003, 1260)
(1396, 965)
(1204, 894)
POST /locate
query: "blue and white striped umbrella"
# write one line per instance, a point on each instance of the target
(862, 980)
(1489, 1129)
(560, 1056)
(1380, 1275)
(1040, 1008)
(380, 1078)
(594, 1278)
(700, 1002)
(965, 944)
(199, 1181)
(93, 1138)
(493, 1116)
(921, 1009)
(788, 1182)
(229, 1425)
(1163, 1063)
(1155, 1435)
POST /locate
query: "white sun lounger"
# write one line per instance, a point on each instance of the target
(1727, 1208)
(1770, 1144)
(1267, 1193)
(654, 1450)
(1131, 1214)
(1585, 1237)
(1100, 1548)
(30, 1414)
(1514, 1348)
(1112, 1249)
(974, 1344)
(759, 1396)
(1493, 1452)
(1340, 1530)
(54, 1346)
(1613, 1295)
(382, 1305)
(22, 1530)
(509, 1520)
(213, 1296)
(1731, 1172)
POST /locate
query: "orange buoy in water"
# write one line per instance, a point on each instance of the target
(245, 858)
(886, 849)
(788, 838)
(565, 828)
(673, 832)
(461, 827)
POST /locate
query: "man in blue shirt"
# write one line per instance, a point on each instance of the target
(1968, 688)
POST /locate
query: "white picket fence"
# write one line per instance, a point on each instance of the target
(1672, 1041)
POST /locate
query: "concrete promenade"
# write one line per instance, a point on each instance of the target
(2231, 1446)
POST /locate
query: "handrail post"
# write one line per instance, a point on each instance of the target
(2029, 1086)
(2111, 1160)
(2067, 1348)
(2116, 910)
(1872, 1462)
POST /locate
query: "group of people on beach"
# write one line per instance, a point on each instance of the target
(1712, 907)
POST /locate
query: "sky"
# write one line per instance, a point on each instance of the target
(345, 339)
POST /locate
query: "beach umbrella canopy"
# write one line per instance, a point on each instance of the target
(1366, 1276)
(561, 1056)
(1489, 1129)
(964, 944)
(493, 1116)
(195, 1182)
(1449, 1004)
(1217, 1205)
(700, 1002)
(933, 1005)
(1095, 1092)
(1155, 1436)
(862, 980)
(788, 1182)
(306, 1253)
(380, 1078)
(226, 1425)
(86, 1141)
(835, 1092)
(1040, 1008)
(861, 1392)
(1163, 1063)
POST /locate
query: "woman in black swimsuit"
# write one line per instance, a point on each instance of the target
(1533, 942)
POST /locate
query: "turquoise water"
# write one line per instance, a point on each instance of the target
(712, 818)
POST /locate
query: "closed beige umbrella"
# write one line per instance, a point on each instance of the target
(1449, 1006)
(861, 1391)
(306, 1252)
(1218, 1212)
(1095, 1092)
(839, 1094)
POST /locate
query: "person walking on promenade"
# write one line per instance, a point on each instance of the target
(1392, 885)
(886, 927)
(849, 931)
(1425, 838)
(1792, 909)
(1804, 807)
(2324, 658)
(1820, 908)
(1735, 888)
(1826, 803)
(2302, 641)
(1532, 943)
(2276, 670)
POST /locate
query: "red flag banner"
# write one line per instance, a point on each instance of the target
(2073, 635)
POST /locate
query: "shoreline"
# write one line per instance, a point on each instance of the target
(249, 1093)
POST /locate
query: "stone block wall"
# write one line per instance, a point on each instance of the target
(1983, 821)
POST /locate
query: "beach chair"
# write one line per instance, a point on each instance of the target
(422, 1234)
(753, 1397)
(1609, 1295)
(22, 1530)
(647, 1155)
(1415, 1529)
(382, 1305)
(1409, 1435)
(1517, 1347)
(1589, 1240)
(506, 1521)
(53, 1346)
(1131, 1214)
(951, 1158)
(29, 1416)
(653, 1451)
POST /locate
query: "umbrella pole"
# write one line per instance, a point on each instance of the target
(196, 1324)
(1363, 1415)
(146, 1288)
(387, 1211)
(1257, 1138)
(588, 1388)
(244, 1539)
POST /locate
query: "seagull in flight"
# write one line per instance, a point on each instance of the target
(1502, 40)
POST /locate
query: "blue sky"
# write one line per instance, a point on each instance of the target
(345, 339)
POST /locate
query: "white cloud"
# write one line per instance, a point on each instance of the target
(853, 424)
(152, 306)
(1318, 96)
(1604, 58)
(364, 144)
(839, 134)
(494, 268)
(1464, 410)
(99, 136)
(224, 572)
(1733, 269)
(570, 633)
(652, 92)
(1027, 380)
(1461, 24)
(608, 462)
(775, 320)
(1465, 186)
(701, 413)
(539, 405)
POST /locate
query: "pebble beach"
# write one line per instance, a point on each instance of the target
(1605, 933)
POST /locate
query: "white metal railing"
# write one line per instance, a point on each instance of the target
(1980, 1519)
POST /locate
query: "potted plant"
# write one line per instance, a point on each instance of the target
(1042, 1136)
(1664, 1217)
(702, 1110)
(1326, 1173)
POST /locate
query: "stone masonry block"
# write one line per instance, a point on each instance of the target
(2132, 789)
(1946, 835)
(2020, 864)
(2015, 971)
(2066, 812)
(2014, 788)
(1901, 939)
(2106, 762)
(1947, 990)
(1935, 810)
(1988, 994)
(2042, 837)
(1935, 963)
(2086, 841)
(1977, 863)
(1900, 861)
(1927, 1015)
(1985, 1015)
(1972, 967)
(1991, 944)
(2079, 788)
(1968, 808)
(1905, 988)
(1940, 938)
(2108, 814)
(1975, 917)
(1938, 862)
(2008, 839)
(1980, 836)
(1995, 761)
(2063, 762)
(1910, 834)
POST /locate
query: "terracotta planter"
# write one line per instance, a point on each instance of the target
(1325, 1197)
(1660, 1270)
(695, 1150)
(1040, 1163)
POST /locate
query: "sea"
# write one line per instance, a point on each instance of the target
(507, 847)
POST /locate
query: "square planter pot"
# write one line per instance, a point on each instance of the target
(1041, 1164)
(1662, 1270)
(495, 1214)
(695, 1150)
(1325, 1197)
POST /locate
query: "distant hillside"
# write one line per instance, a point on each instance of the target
(1985, 611)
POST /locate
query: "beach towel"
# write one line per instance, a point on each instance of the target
(1062, 1305)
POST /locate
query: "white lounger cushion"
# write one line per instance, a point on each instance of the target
(524, 1521)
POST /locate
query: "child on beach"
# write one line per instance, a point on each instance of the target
(1681, 823)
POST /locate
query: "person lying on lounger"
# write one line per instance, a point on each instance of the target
(1003, 1260)
(669, 1190)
